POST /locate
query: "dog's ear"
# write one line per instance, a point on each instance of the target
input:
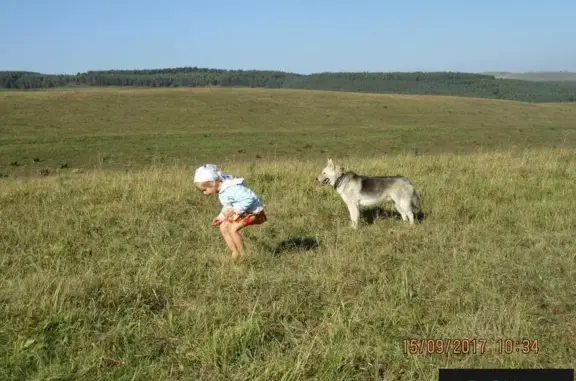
(330, 163)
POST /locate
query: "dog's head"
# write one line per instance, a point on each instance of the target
(330, 173)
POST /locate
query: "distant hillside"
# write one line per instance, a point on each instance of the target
(420, 83)
(539, 76)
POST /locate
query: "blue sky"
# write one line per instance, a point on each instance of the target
(56, 36)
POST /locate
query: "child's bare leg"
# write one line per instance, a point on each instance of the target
(226, 233)
(236, 237)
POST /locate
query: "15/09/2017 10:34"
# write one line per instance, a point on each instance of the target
(472, 346)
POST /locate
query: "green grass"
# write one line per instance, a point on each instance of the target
(120, 128)
(116, 274)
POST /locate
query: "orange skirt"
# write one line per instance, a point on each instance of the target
(248, 219)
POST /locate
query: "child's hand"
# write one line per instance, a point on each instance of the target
(229, 213)
(217, 221)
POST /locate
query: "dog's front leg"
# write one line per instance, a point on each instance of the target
(354, 214)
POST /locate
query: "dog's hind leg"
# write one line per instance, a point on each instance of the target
(410, 216)
(401, 211)
(404, 207)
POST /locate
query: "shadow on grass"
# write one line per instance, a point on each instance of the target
(372, 214)
(297, 244)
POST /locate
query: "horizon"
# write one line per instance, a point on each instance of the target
(448, 36)
(492, 72)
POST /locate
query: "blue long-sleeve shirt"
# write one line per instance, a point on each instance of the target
(236, 195)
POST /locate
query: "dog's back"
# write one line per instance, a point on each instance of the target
(362, 190)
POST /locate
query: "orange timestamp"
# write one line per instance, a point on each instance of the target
(470, 346)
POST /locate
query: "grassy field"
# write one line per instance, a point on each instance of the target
(122, 128)
(115, 273)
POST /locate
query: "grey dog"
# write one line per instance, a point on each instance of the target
(359, 190)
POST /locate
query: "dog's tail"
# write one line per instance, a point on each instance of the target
(415, 202)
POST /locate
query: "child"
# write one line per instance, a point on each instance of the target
(241, 206)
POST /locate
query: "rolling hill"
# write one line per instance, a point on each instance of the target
(537, 76)
(116, 128)
(415, 83)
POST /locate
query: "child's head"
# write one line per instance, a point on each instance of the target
(208, 187)
(207, 179)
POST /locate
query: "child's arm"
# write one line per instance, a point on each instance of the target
(216, 221)
(222, 215)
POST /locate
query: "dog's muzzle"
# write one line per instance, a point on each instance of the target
(326, 181)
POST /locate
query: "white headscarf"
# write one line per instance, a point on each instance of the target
(209, 172)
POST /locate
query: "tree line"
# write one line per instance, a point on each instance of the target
(417, 83)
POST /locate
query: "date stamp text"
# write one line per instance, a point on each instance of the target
(470, 346)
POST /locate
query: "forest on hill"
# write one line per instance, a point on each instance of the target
(566, 77)
(417, 83)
